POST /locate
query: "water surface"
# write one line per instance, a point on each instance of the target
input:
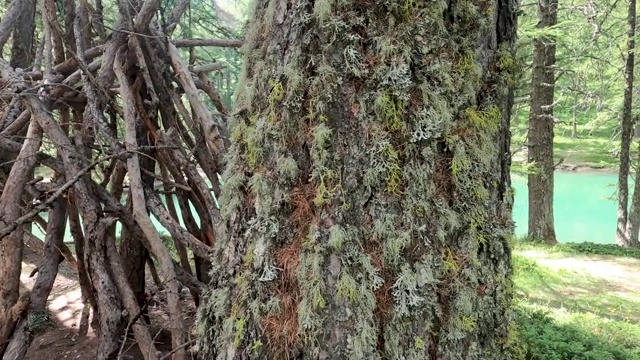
(585, 206)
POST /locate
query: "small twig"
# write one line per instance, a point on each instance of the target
(133, 321)
(181, 346)
(560, 161)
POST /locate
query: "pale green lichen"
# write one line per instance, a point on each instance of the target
(374, 119)
(337, 237)
(322, 9)
(347, 288)
(287, 167)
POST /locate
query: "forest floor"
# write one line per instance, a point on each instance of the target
(581, 303)
(578, 301)
(65, 306)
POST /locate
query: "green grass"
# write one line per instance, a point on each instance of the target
(593, 147)
(583, 248)
(563, 311)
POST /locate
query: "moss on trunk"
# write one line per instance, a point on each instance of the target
(366, 206)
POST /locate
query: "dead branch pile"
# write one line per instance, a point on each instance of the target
(128, 121)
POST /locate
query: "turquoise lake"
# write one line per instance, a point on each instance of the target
(585, 206)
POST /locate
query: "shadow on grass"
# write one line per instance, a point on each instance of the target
(546, 338)
(576, 292)
(565, 312)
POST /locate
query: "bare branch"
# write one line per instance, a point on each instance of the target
(182, 43)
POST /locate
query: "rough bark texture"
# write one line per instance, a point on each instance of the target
(622, 235)
(9, 20)
(12, 303)
(366, 202)
(22, 49)
(48, 270)
(541, 128)
(633, 220)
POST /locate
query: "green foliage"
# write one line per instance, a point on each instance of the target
(589, 84)
(39, 321)
(563, 314)
(546, 338)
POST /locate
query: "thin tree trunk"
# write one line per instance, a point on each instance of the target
(47, 272)
(622, 236)
(142, 218)
(12, 304)
(633, 221)
(9, 20)
(22, 49)
(95, 230)
(540, 138)
(131, 304)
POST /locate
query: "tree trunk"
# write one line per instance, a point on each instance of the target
(366, 202)
(47, 272)
(633, 222)
(541, 225)
(22, 49)
(12, 303)
(626, 134)
(9, 20)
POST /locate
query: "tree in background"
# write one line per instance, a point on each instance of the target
(541, 122)
(628, 224)
(366, 201)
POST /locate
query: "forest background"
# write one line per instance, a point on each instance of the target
(561, 309)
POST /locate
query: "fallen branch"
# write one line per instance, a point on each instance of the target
(182, 346)
(182, 43)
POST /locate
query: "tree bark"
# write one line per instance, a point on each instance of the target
(541, 226)
(9, 20)
(632, 236)
(12, 303)
(366, 205)
(622, 234)
(95, 230)
(47, 272)
(22, 49)
(141, 216)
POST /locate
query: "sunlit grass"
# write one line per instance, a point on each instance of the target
(580, 306)
(595, 145)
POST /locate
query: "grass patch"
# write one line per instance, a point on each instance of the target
(583, 248)
(565, 313)
(594, 145)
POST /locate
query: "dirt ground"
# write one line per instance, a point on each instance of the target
(62, 340)
(619, 271)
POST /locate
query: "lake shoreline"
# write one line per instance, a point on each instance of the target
(585, 168)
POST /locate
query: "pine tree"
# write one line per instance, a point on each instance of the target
(366, 201)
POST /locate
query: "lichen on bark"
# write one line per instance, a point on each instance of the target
(366, 211)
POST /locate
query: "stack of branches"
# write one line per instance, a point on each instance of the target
(127, 120)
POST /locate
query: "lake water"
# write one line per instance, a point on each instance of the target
(585, 206)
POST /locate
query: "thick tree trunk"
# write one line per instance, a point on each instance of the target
(366, 203)
(540, 140)
(622, 235)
